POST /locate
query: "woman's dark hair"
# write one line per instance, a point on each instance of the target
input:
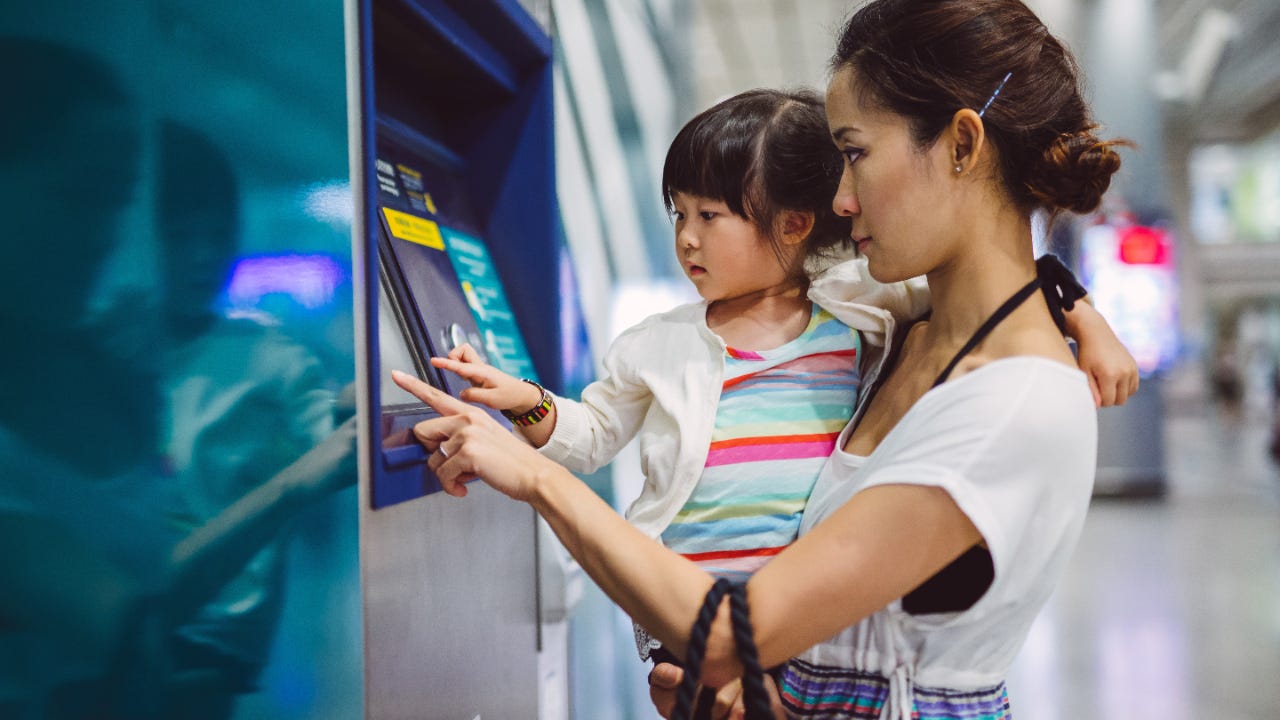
(762, 152)
(927, 59)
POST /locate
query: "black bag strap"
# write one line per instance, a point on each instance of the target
(755, 697)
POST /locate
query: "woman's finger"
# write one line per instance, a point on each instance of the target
(445, 462)
(664, 679)
(431, 433)
(727, 697)
(439, 400)
(775, 699)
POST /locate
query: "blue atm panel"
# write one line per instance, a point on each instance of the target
(457, 229)
(457, 183)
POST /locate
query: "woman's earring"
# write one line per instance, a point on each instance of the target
(959, 168)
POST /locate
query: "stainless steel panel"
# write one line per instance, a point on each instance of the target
(450, 608)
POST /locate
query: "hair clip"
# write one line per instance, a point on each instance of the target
(994, 94)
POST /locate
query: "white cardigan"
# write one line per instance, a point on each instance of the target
(661, 381)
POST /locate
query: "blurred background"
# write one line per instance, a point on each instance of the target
(177, 465)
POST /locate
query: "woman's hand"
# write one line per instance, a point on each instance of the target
(664, 681)
(489, 385)
(466, 443)
(729, 704)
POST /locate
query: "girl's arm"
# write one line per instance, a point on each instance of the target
(884, 542)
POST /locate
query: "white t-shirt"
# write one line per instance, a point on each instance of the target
(1014, 443)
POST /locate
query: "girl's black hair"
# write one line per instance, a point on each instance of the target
(762, 152)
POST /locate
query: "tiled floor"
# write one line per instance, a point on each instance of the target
(1171, 608)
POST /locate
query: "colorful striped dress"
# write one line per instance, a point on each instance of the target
(777, 421)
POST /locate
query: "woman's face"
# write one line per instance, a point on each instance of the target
(895, 193)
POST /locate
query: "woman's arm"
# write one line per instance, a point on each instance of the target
(878, 547)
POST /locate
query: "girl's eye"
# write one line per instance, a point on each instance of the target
(853, 154)
(706, 215)
(677, 215)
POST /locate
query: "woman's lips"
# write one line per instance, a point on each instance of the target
(860, 243)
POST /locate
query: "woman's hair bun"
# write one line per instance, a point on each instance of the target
(1075, 171)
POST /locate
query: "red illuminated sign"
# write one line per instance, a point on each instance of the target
(1141, 245)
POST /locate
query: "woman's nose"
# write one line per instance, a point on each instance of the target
(845, 203)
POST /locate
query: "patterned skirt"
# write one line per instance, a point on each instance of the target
(813, 691)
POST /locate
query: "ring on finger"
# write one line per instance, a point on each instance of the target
(442, 452)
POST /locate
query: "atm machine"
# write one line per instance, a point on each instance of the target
(456, 239)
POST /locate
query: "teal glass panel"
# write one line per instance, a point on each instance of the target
(177, 448)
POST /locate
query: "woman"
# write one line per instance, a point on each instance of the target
(940, 526)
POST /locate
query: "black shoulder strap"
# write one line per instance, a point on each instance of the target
(982, 332)
(1061, 290)
(1060, 286)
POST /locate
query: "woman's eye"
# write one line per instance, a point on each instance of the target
(852, 155)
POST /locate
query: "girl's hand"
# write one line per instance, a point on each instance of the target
(1112, 372)
(489, 385)
(1111, 369)
(466, 443)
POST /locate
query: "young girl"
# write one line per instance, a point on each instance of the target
(739, 399)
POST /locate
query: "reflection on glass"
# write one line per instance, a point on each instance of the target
(157, 453)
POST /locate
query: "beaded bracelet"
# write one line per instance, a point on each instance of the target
(535, 415)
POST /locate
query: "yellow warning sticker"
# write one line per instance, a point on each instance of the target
(413, 229)
(431, 204)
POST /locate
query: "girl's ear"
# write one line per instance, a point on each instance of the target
(795, 226)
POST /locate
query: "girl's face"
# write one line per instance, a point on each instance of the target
(725, 255)
(895, 193)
